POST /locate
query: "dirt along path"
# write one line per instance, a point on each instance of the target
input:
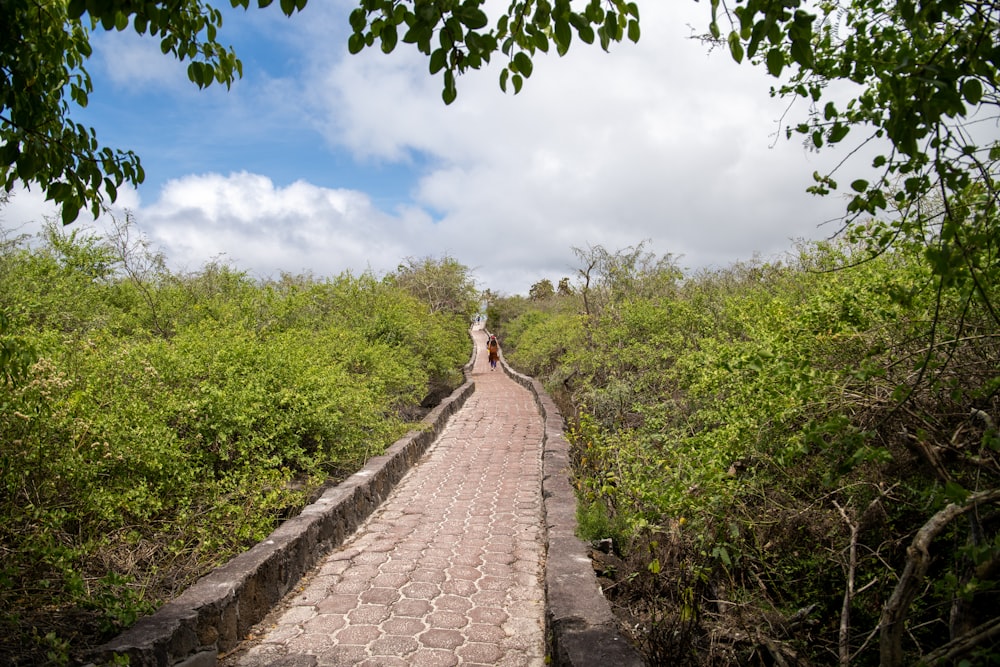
(448, 570)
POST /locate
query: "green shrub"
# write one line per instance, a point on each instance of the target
(747, 419)
(160, 424)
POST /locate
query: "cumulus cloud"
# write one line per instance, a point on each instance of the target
(133, 62)
(245, 220)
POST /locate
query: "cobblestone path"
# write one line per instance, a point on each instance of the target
(448, 570)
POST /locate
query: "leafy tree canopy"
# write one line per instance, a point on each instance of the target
(543, 289)
(45, 48)
(444, 284)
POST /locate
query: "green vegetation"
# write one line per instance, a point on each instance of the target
(152, 425)
(776, 446)
(765, 443)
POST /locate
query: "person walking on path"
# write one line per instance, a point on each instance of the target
(447, 571)
(493, 347)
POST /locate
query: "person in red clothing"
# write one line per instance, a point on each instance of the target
(493, 347)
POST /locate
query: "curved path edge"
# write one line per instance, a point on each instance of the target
(582, 631)
(213, 614)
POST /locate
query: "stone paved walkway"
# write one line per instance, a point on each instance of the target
(448, 570)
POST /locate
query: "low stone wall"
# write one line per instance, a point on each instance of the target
(212, 615)
(582, 630)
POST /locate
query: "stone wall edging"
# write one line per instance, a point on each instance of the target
(580, 627)
(213, 614)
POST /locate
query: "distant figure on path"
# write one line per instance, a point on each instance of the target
(493, 347)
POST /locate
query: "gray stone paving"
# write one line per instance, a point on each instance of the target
(448, 571)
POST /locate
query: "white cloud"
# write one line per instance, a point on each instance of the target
(654, 141)
(136, 62)
(249, 222)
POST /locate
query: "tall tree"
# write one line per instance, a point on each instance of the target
(541, 290)
(443, 283)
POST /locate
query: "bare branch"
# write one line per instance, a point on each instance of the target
(960, 646)
(918, 559)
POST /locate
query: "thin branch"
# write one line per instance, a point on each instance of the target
(960, 646)
(845, 610)
(893, 621)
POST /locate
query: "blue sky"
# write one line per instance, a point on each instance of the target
(179, 129)
(324, 162)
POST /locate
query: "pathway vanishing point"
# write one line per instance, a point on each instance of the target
(448, 570)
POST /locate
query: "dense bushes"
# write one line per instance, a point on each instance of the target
(155, 424)
(763, 443)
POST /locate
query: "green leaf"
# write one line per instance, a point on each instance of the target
(878, 201)
(419, 34)
(735, 46)
(450, 92)
(801, 52)
(755, 38)
(76, 8)
(540, 41)
(972, 91)
(521, 64)
(194, 73)
(859, 185)
(110, 188)
(633, 30)
(70, 210)
(775, 62)
(473, 17)
(453, 27)
(954, 492)
(611, 27)
(562, 35)
(389, 37)
(723, 554)
(838, 132)
(358, 19)
(355, 43)
(438, 60)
